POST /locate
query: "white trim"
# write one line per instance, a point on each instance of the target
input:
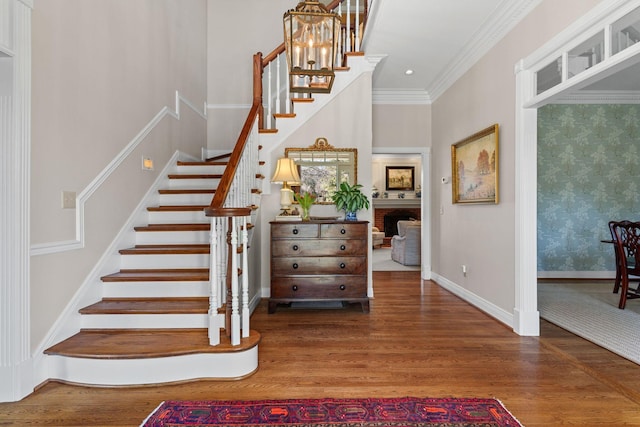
(510, 13)
(401, 97)
(122, 372)
(526, 316)
(16, 378)
(600, 97)
(473, 299)
(228, 106)
(425, 200)
(83, 197)
(579, 275)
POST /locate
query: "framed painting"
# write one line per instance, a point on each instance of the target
(474, 166)
(400, 178)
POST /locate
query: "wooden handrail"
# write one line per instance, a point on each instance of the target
(217, 204)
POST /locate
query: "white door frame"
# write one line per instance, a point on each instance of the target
(425, 200)
(526, 316)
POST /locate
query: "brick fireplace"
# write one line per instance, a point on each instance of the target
(393, 214)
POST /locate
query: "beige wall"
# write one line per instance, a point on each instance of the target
(483, 236)
(401, 125)
(236, 31)
(102, 69)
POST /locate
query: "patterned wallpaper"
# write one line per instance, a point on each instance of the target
(588, 174)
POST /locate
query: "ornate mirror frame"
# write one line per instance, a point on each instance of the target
(322, 167)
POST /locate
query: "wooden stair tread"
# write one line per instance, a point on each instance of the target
(177, 208)
(175, 227)
(159, 275)
(206, 163)
(218, 157)
(167, 249)
(145, 343)
(195, 176)
(186, 191)
(194, 305)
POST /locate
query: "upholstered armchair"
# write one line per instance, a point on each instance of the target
(377, 237)
(405, 247)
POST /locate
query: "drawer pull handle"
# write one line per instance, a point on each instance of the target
(343, 247)
(343, 231)
(295, 231)
(294, 287)
(343, 287)
(343, 265)
(295, 265)
(295, 247)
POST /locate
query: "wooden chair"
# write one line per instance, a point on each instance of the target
(626, 238)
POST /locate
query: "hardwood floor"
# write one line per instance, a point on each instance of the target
(418, 340)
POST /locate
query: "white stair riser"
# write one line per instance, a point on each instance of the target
(171, 237)
(115, 372)
(145, 321)
(185, 199)
(200, 169)
(180, 217)
(155, 289)
(209, 183)
(164, 261)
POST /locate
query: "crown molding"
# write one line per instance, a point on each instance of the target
(601, 97)
(401, 97)
(509, 14)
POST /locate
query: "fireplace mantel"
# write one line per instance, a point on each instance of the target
(396, 203)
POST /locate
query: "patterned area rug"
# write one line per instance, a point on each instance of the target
(397, 412)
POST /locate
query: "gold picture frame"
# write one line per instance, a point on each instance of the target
(475, 167)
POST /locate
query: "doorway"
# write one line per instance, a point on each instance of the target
(416, 199)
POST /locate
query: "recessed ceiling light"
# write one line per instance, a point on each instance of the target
(408, 72)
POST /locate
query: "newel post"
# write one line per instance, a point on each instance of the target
(258, 70)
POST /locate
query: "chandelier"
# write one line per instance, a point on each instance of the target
(311, 36)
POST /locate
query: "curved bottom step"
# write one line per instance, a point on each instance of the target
(128, 365)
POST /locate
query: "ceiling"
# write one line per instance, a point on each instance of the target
(441, 39)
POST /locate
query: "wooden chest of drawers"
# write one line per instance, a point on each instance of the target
(319, 261)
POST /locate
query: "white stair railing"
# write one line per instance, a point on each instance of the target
(229, 238)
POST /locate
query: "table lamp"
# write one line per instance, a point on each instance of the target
(286, 173)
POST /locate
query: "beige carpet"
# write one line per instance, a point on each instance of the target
(590, 310)
(382, 262)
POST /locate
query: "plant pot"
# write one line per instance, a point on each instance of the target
(350, 216)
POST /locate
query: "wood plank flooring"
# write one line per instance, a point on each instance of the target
(418, 340)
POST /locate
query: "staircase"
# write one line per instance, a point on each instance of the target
(159, 316)
(151, 325)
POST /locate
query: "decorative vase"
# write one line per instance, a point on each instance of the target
(350, 216)
(305, 213)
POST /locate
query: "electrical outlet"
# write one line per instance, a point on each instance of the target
(68, 200)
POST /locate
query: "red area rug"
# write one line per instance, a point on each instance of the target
(398, 412)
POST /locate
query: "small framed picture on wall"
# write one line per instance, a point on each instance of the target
(400, 178)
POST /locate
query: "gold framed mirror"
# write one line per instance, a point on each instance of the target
(322, 167)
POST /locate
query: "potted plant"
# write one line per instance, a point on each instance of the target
(305, 200)
(350, 199)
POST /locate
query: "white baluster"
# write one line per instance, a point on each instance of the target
(214, 330)
(357, 44)
(348, 35)
(278, 86)
(287, 106)
(269, 99)
(235, 315)
(245, 279)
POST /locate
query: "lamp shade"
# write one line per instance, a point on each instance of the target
(286, 172)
